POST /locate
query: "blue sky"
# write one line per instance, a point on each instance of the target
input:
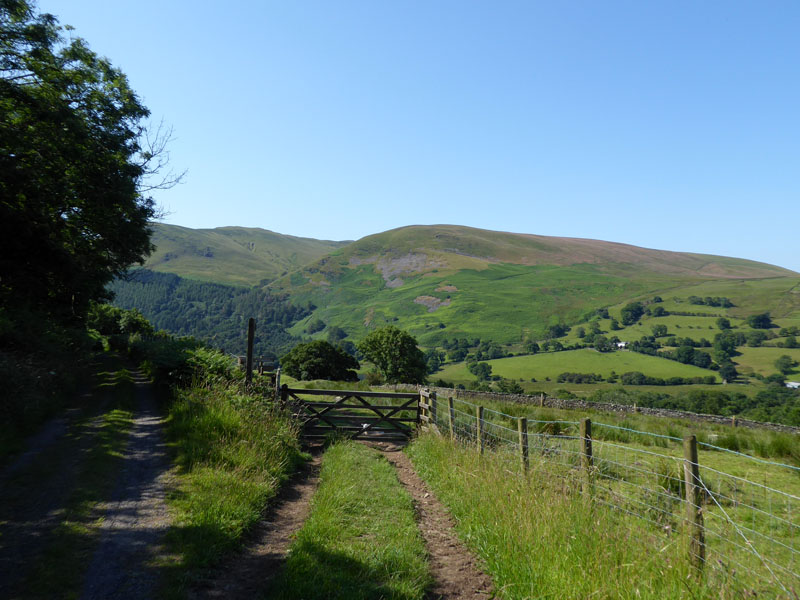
(672, 125)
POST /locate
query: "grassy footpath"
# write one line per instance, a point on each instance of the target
(361, 540)
(233, 451)
(539, 540)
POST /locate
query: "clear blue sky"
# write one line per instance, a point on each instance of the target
(672, 125)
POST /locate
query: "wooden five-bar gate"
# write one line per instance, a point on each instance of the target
(357, 414)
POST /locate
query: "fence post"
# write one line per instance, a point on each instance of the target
(694, 502)
(541, 400)
(733, 421)
(251, 335)
(277, 384)
(522, 427)
(433, 408)
(451, 410)
(284, 394)
(587, 460)
(479, 430)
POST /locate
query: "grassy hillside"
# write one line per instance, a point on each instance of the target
(446, 281)
(232, 255)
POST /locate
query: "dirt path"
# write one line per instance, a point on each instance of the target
(455, 569)
(136, 518)
(249, 573)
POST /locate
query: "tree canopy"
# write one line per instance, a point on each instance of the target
(631, 313)
(74, 162)
(396, 355)
(320, 360)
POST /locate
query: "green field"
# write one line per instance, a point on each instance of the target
(551, 364)
(762, 360)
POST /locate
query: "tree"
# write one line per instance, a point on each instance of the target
(315, 325)
(507, 386)
(603, 344)
(728, 372)
(396, 355)
(434, 359)
(631, 313)
(791, 342)
(481, 370)
(761, 321)
(336, 334)
(756, 338)
(659, 330)
(723, 323)
(556, 331)
(785, 364)
(319, 360)
(75, 157)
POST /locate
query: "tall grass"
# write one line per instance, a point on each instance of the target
(539, 538)
(233, 451)
(634, 429)
(361, 540)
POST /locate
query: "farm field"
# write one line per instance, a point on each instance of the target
(762, 360)
(551, 364)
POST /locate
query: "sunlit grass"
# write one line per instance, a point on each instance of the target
(361, 540)
(233, 452)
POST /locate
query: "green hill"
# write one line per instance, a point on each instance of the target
(446, 281)
(232, 255)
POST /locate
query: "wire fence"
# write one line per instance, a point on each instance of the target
(739, 515)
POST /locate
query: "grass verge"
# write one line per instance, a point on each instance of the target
(541, 540)
(233, 451)
(361, 540)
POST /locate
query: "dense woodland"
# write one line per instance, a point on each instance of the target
(212, 312)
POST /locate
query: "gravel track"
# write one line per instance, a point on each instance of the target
(136, 518)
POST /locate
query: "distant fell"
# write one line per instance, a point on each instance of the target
(458, 246)
(447, 281)
(232, 255)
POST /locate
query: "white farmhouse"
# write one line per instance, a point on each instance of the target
(793, 385)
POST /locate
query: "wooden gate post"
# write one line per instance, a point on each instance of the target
(587, 460)
(451, 410)
(284, 394)
(694, 503)
(522, 427)
(433, 409)
(251, 336)
(479, 430)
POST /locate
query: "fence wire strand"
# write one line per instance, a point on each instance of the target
(650, 485)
